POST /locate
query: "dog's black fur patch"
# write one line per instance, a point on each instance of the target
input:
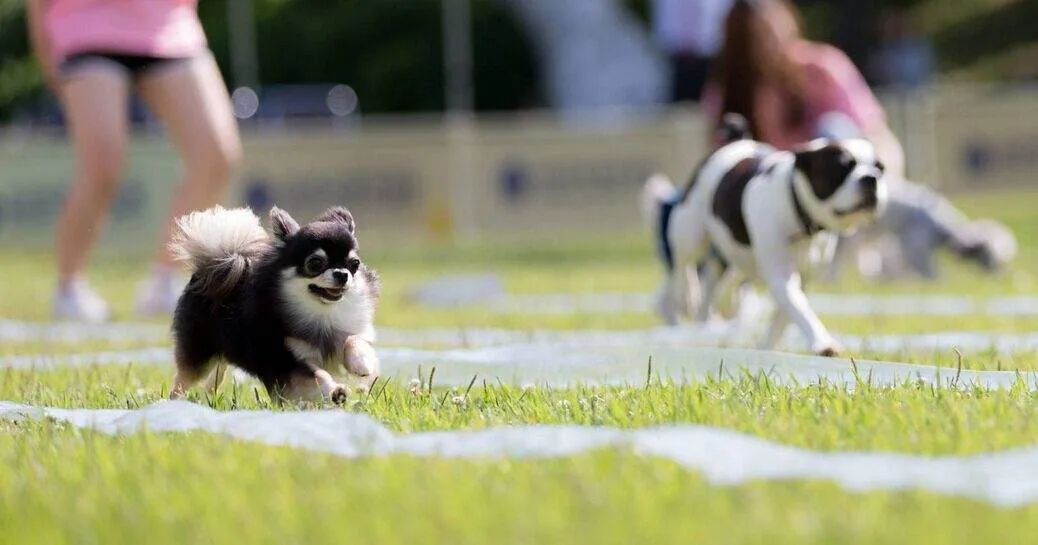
(249, 325)
(826, 168)
(727, 202)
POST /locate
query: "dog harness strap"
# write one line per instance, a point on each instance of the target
(663, 241)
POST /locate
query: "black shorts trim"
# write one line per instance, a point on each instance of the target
(135, 65)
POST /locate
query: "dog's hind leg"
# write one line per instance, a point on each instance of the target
(216, 377)
(192, 366)
(779, 323)
(709, 272)
(307, 383)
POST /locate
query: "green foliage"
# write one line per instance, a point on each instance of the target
(390, 50)
(20, 78)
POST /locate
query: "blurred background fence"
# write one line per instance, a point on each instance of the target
(498, 174)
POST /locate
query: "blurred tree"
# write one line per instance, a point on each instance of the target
(389, 51)
(19, 77)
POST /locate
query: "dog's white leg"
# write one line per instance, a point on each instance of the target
(779, 322)
(709, 278)
(667, 299)
(777, 266)
(729, 285)
(790, 299)
(360, 359)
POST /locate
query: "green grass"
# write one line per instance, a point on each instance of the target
(75, 486)
(66, 485)
(911, 417)
(81, 487)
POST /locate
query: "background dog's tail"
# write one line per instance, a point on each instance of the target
(658, 189)
(219, 245)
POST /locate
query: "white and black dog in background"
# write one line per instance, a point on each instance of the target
(292, 308)
(754, 212)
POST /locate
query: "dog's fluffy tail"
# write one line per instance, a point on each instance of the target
(219, 245)
(658, 188)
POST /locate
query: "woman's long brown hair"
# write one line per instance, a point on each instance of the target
(750, 60)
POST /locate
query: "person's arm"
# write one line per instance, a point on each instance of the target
(710, 104)
(888, 149)
(846, 91)
(34, 13)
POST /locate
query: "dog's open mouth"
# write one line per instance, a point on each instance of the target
(327, 294)
(867, 205)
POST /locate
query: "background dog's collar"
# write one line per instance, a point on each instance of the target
(808, 204)
(811, 227)
(785, 160)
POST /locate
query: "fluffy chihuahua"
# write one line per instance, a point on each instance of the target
(292, 308)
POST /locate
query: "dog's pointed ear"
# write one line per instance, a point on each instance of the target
(282, 224)
(341, 215)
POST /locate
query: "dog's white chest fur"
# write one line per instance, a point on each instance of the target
(354, 314)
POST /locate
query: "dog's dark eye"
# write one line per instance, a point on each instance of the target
(314, 265)
(881, 167)
(353, 264)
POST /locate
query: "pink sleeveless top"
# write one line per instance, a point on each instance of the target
(834, 85)
(156, 28)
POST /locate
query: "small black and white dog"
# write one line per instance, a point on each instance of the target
(751, 212)
(291, 309)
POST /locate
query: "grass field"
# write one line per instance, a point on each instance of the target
(64, 485)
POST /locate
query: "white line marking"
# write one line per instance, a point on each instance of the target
(724, 457)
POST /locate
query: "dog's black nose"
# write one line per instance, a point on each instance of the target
(341, 277)
(868, 189)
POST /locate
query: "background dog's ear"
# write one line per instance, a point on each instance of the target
(825, 165)
(282, 224)
(339, 214)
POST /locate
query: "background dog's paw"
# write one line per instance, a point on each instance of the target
(829, 352)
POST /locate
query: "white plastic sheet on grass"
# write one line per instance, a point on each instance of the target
(73, 332)
(583, 361)
(826, 304)
(724, 457)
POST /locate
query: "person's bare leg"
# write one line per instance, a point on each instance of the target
(95, 101)
(190, 99)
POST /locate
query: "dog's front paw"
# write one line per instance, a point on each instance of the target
(339, 394)
(360, 358)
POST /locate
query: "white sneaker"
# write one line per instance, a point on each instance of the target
(76, 301)
(158, 295)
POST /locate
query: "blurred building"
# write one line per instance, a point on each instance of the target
(690, 34)
(594, 56)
